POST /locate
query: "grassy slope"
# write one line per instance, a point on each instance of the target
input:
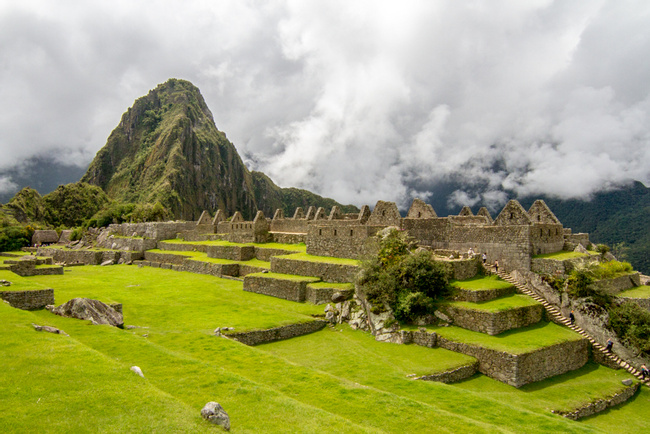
(497, 305)
(351, 384)
(479, 283)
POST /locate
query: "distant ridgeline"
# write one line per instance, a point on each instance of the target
(168, 149)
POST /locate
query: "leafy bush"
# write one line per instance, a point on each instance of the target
(72, 204)
(408, 283)
(14, 237)
(632, 325)
(115, 212)
(608, 270)
(602, 248)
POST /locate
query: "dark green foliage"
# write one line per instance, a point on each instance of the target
(611, 217)
(632, 325)
(114, 212)
(602, 248)
(71, 204)
(150, 213)
(579, 286)
(556, 282)
(27, 205)
(14, 237)
(408, 283)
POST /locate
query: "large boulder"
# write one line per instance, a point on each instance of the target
(215, 413)
(92, 310)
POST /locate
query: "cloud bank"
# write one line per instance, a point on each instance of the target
(359, 101)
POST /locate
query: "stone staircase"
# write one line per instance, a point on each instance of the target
(555, 313)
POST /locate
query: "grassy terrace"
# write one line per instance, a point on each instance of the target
(497, 305)
(293, 247)
(19, 283)
(335, 380)
(518, 341)
(281, 276)
(561, 256)
(203, 257)
(324, 259)
(642, 291)
(480, 283)
(337, 286)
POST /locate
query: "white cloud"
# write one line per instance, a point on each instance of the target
(361, 100)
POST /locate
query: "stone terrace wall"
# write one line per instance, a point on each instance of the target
(551, 266)
(454, 376)
(257, 337)
(181, 247)
(287, 238)
(601, 404)
(618, 284)
(292, 290)
(460, 269)
(461, 294)
(234, 253)
(520, 369)
(156, 230)
(119, 243)
(339, 273)
(87, 257)
(265, 254)
(494, 323)
(29, 300)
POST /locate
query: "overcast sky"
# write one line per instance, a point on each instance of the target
(356, 100)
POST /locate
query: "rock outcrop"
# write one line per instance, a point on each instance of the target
(91, 310)
(214, 412)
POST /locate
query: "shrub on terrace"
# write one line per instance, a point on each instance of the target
(407, 282)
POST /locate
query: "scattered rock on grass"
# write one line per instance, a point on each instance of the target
(214, 413)
(137, 370)
(5, 283)
(109, 262)
(627, 382)
(40, 328)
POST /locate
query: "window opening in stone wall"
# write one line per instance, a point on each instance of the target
(419, 214)
(512, 216)
(334, 232)
(351, 232)
(539, 218)
(541, 232)
(383, 213)
(549, 232)
(320, 232)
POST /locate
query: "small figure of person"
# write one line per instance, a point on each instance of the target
(484, 258)
(610, 345)
(470, 252)
(572, 317)
(496, 265)
(644, 372)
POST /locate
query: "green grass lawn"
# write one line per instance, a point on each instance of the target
(292, 247)
(497, 305)
(335, 380)
(19, 283)
(517, 341)
(562, 255)
(203, 257)
(325, 259)
(642, 291)
(293, 277)
(480, 283)
(337, 286)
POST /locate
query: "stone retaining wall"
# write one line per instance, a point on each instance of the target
(460, 269)
(89, 257)
(29, 300)
(182, 247)
(643, 302)
(319, 295)
(169, 258)
(128, 243)
(552, 266)
(339, 273)
(601, 404)
(618, 284)
(453, 376)
(257, 337)
(264, 254)
(233, 253)
(420, 337)
(210, 268)
(461, 294)
(493, 323)
(156, 230)
(293, 290)
(520, 369)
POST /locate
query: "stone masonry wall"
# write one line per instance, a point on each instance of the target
(87, 257)
(181, 247)
(290, 225)
(618, 284)
(493, 323)
(520, 369)
(257, 337)
(343, 241)
(339, 273)
(156, 230)
(265, 254)
(29, 300)
(292, 290)
(234, 253)
(461, 294)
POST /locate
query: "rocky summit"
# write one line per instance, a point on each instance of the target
(168, 149)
